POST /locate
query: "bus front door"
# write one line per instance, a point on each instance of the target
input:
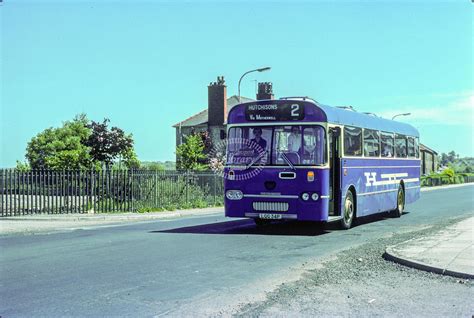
(334, 170)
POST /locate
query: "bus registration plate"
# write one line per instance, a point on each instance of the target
(270, 216)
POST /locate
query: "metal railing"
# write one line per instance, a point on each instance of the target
(74, 191)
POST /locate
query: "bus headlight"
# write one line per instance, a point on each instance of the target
(305, 196)
(315, 197)
(234, 194)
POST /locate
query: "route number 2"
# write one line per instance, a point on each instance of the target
(294, 110)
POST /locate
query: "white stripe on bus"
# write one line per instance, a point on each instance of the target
(394, 175)
(375, 192)
(356, 167)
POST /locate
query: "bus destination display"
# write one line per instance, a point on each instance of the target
(274, 112)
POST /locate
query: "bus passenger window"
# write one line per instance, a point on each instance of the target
(417, 148)
(401, 146)
(387, 144)
(371, 143)
(411, 147)
(352, 141)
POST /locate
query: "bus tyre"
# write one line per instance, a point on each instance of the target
(400, 203)
(261, 222)
(348, 212)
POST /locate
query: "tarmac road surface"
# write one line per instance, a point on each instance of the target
(204, 265)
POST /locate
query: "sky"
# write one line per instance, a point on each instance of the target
(146, 65)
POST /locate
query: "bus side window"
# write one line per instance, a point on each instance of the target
(417, 148)
(371, 143)
(411, 147)
(400, 146)
(387, 144)
(352, 141)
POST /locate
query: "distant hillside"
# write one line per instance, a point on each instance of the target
(158, 165)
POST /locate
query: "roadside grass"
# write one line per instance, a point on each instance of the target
(180, 206)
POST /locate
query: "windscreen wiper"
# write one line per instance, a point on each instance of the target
(288, 161)
(255, 160)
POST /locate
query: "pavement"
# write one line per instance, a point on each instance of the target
(448, 252)
(49, 223)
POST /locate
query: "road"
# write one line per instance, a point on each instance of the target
(206, 265)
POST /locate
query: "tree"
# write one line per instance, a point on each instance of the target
(61, 148)
(81, 144)
(190, 153)
(129, 158)
(22, 166)
(452, 156)
(206, 141)
(448, 158)
(106, 145)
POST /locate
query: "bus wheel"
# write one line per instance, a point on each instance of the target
(400, 203)
(348, 213)
(261, 222)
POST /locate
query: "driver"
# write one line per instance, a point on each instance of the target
(257, 134)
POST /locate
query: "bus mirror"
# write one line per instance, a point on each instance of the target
(223, 134)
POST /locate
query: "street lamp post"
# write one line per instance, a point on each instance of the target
(404, 114)
(263, 69)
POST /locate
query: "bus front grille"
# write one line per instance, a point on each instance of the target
(270, 206)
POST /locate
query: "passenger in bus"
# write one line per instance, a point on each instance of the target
(294, 139)
(403, 152)
(387, 152)
(257, 134)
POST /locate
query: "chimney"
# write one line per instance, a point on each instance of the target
(217, 102)
(265, 91)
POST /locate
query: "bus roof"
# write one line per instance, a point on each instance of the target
(344, 116)
(330, 114)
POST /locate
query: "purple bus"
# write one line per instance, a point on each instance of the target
(296, 159)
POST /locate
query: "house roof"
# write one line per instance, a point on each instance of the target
(425, 148)
(202, 117)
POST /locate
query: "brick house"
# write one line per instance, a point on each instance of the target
(213, 119)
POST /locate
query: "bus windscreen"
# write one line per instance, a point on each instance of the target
(300, 145)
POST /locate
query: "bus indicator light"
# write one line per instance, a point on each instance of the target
(310, 176)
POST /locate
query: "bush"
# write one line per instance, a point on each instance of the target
(448, 176)
(448, 172)
(172, 191)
